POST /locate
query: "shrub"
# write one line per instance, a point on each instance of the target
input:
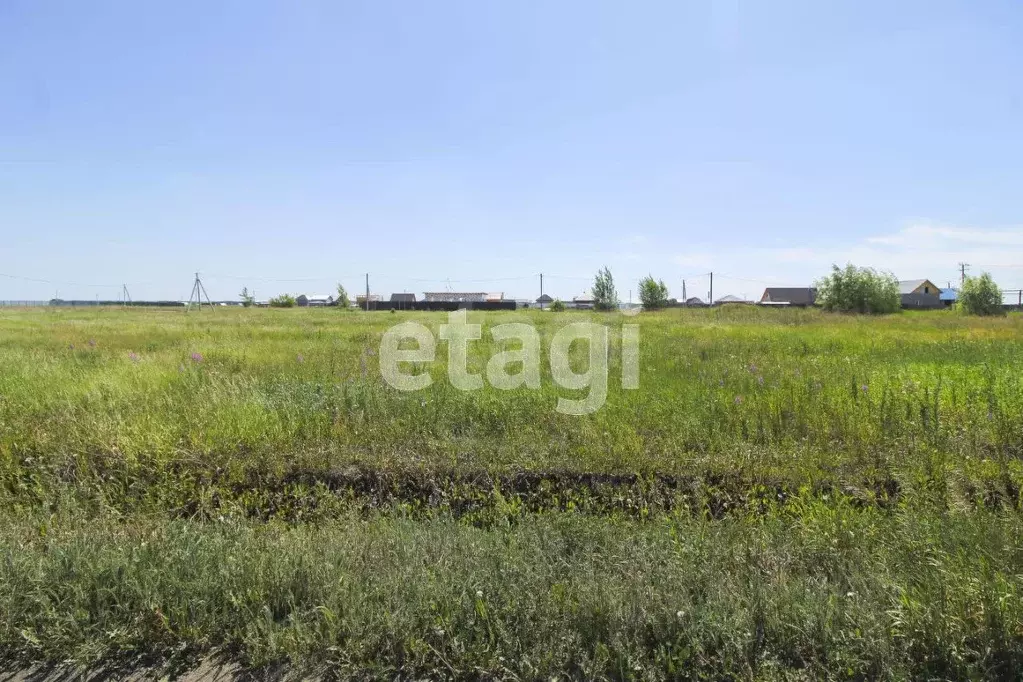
(981, 296)
(248, 300)
(858, 290)
(557, 306)
(342, 298)
(282, 301)
(605, 296)
(653, 293)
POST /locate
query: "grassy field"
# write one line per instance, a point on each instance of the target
(787, 495)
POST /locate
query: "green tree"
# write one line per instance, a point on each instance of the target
(653, 293)
(248, 300)
(605, 296)
(282, 301)
(981, 296)
(858, 290)
(557, 306)
(342, 297)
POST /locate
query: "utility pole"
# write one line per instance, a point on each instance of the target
(711, 301)
(541, 291)
(198, 291)
(684, 299)
(367, 292)
(126, 297)
(962, 271)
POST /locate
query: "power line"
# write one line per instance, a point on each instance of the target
(461, 281)
(744, 279)
(272, 279)
(586, 277)
(993, 267)
(360, 275)
(59, 283)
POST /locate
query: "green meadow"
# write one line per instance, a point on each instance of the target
(788, 494)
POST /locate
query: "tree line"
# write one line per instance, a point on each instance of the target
(850, 289)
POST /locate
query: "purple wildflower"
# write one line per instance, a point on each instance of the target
(133, 356)
(738, 400)
(300, 358)
(864, 388)
(92, 343)
(760, 380)
(721, 382)
(196, 357)
(71, 346)
(752, 368)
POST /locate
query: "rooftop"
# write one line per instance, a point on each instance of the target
(455, 296)
(790, 295)
(907, 286)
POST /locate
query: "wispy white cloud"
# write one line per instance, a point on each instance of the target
(930, 235)
(914, 250)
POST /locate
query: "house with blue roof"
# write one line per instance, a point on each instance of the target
(948, 297)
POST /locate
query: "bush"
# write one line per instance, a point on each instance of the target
(247, 299)
(653, 293)
(557, 306)
(282, 301)
(342, 299)
(605, 296)
(981, 296)
(858, 290)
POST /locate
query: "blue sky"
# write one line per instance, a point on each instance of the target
(472, 145)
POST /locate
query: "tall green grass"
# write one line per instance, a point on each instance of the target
(788, 495)
(818, 590)
(793, 395)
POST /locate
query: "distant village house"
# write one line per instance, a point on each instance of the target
(920, 294)
(455, 296)
(320, 300)
(789, 296)
(404, 301)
